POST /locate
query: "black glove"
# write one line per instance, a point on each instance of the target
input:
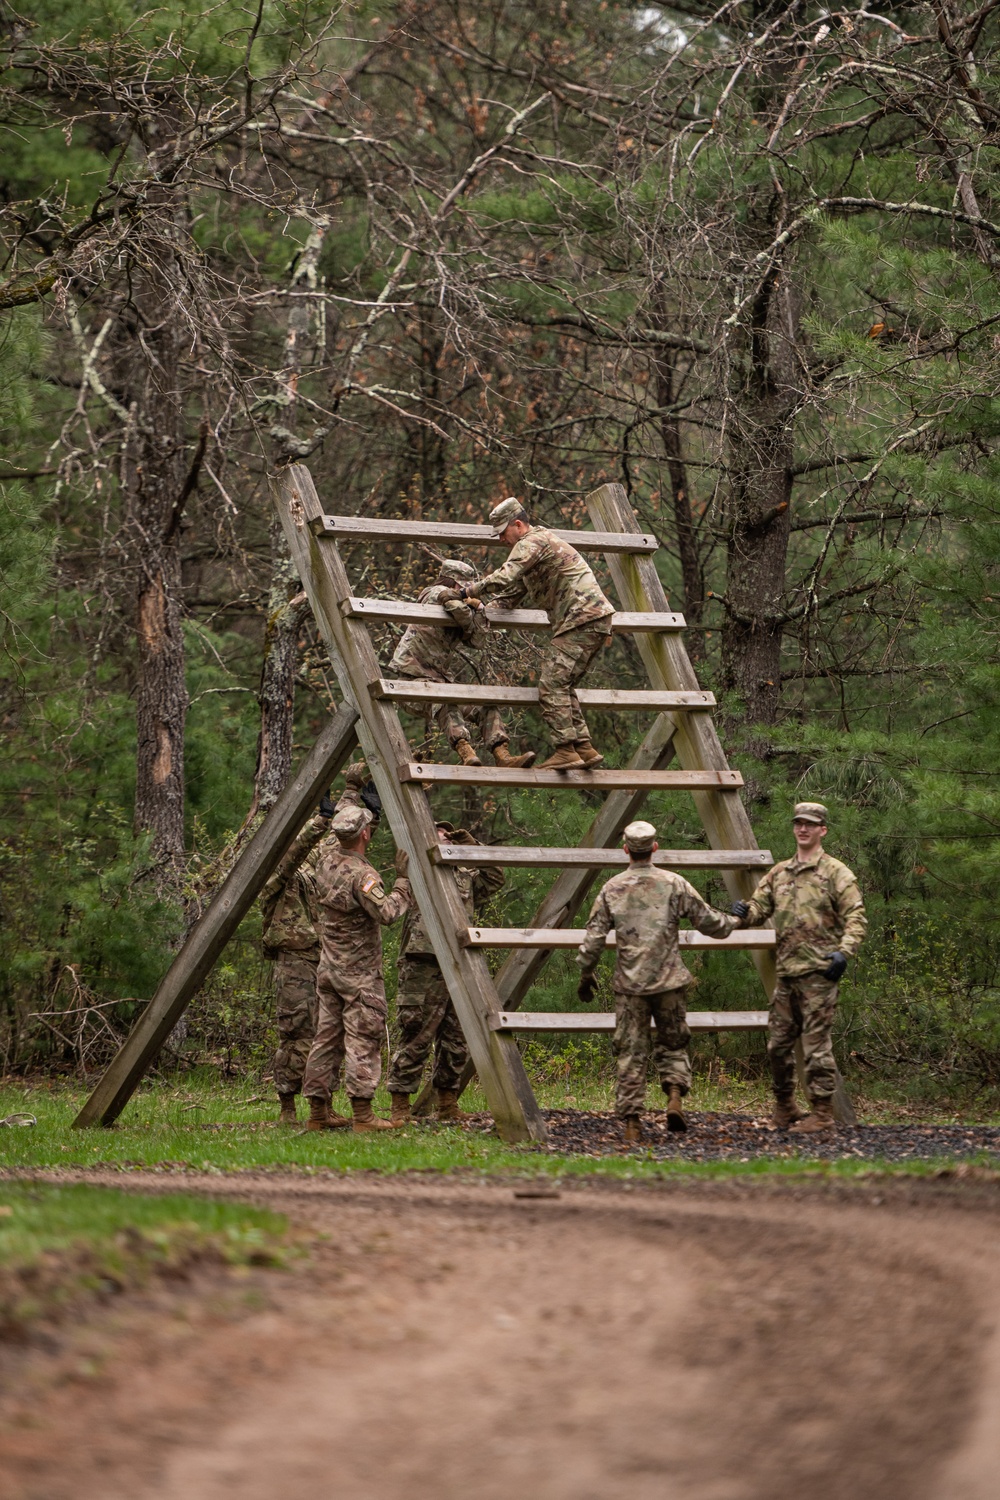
(372, 800)
(837, 964)
(740, 909)
(326, 806)
(587, 988)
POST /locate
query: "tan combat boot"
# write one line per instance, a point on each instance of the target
(365, 1118)
(287, 1115)
(503, 757)
(819, 1121)
(633, 1130)
(448, 1112)
(400, 1115)
(786, 1111)
(675, 1109)
(466, 754)
(322, 1117)
(563, 758)
(588, 754)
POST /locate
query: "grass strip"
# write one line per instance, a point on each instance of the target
(63, 1243)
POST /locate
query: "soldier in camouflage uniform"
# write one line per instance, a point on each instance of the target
(353, 906)
(815, 905)
(554, 577)
(644, 905)
(431, 653)
(425, 1014)
(289, 909)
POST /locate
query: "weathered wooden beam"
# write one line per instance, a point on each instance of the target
(761, 938)
(603, 780)
(549, 1021)
(372, 529)
(324, 577)
(598, 859)
(403, 612)
(403, 689)
(696, 742)
(226, 910)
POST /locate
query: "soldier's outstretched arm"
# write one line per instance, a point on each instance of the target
(511, 576)
(302, 845)
(705, 918)
(369, 892)
(761, 903)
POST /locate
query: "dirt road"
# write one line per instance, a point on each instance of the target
(459, 1343)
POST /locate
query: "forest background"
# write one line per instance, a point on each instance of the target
(744, 259)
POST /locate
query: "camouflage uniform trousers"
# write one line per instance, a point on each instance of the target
(426, 1017)
(633, 1042)
(803, 1006)
(453, 720)
(295, 982)
(351, 1030)
(563, 665)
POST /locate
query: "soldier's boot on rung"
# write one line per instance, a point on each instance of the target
(563, 758)
(821, 1119)
(365, 1117)
(676, 1119)
(400, 1114)
(588, 754)
(448, 1112)
(322, 1117)
(287, 1115)
(503, 757)
(786, 1111)
(466, 754)
(633, 1130)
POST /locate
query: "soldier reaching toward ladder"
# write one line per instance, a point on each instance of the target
(819, 919)
(431, 653)
(554, 576)
(644, 905)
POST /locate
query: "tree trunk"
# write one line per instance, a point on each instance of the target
(157, 482)
(692, 571)
(763, 402)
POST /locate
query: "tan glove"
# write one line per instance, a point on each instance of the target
(356, 775)
(461, 836)
(402, 863)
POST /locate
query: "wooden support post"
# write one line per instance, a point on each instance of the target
(696, 742)
(324, 578)
(222, 916)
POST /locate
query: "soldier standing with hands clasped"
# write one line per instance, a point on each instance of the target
(352, 1005)
(644, 905)
(554, 576)
(819, 919)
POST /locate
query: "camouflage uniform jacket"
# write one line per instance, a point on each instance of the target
(553, 576)
(288, 901)
(428, 650)
(353, 907)
(474, 887)
(644, 905)
(816, 909)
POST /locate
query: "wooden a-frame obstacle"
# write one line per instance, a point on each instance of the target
(488, 1007)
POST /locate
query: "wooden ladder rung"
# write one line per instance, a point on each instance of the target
(572, 937)
(598, 859)
(401, 689)
(601, 780)
(602, 1020)
(404, 612)
(369, 529)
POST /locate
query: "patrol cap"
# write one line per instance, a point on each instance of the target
(349, 823)
(640, 837)
(508, 510)
(810, 812)
(454, 567)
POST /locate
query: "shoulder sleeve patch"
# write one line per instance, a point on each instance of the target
(370, 882)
